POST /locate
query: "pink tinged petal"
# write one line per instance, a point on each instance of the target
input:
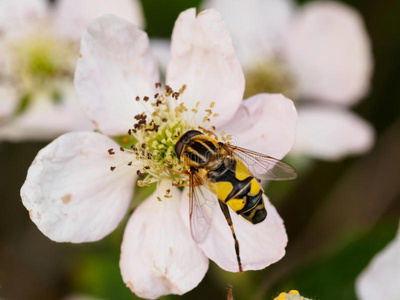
(158, 255)
(260, 31)
(330, 51)
(70, 192)
(332, 133)
(265, 123)
(260, 245)
(381, 280)
(162, 51)
(115, 67)
(203, 58)
(73, 16)
(16, 15)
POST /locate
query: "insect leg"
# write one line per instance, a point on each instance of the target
(209, 132)
(228, 218)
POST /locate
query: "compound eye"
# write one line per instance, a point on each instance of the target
(178, 148)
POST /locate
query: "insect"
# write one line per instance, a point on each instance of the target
(228, 175)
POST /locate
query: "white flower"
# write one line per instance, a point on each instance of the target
(319, 52)
(381, 279)
(72, 195)
(39, 46)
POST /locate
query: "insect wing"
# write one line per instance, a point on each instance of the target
(261, 165)
(202, 202)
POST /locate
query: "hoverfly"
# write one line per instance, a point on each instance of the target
(228, 175)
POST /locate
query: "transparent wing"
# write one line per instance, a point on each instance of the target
(261, 165)
(202, 204)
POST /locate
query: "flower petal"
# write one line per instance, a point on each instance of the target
(44, 119)
(203, 58)
(16, 15)
(260, 31)
(116, 65)
(260, 245)
(162, 50)
(330, 51)
(8, 101)
(265, 123)
(73, 16)
(70, 192)
(381, 280)
(331, 133)
(158, 255)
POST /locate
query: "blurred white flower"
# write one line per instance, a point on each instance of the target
(318, 53)
(381, 279)
(39, 46)
(71, 194)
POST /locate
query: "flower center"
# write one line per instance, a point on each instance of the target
(270, 77)
(155, 135)
(42, 63)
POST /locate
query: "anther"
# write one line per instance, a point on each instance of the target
(140, 174)
(111, 151)
(156, 95)
(158, 85)
(137, 98)
(130, 163)
(146, 98)
(121, 149)
(112, 168)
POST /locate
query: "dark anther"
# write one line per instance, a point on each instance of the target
(146, 98)
(129, 131)
(144, 145)
(158, 84)
(164, 120)
(130, 163)
(121, 149)
(147, 167)
(137, 98)
(140, 174)
(111, 151)
(112, 168)
(156, 95)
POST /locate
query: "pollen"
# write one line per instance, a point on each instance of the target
(154, 134)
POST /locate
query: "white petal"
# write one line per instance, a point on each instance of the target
(73, 16)
(70, 192)
(116, 65)
(260, 30)
(260, 245)
(203, 58)
(162, 50)
(331, 133)
(381, 279)
(330, 51)
(158, 255)
(265, 123)
(45, 120)
(17, 15)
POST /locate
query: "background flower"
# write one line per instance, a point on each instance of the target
(318, 53)
(381, 278)
(39, 46)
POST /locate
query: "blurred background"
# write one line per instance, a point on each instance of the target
(338, 215)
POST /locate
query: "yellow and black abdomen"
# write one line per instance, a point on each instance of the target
(236, 186)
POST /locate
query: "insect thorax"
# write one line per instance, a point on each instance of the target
(203, 152)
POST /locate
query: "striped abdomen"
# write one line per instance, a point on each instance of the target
(236, 186)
